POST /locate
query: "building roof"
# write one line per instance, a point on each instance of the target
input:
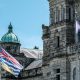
(10, 36)
(34, 64)
(32, 53)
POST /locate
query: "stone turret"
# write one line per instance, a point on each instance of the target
(46, 32)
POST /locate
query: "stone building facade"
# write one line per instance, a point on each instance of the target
(61, 45)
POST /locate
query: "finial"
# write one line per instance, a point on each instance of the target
(36, 47)
(10, 28)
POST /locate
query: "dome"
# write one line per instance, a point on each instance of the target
(10, 36)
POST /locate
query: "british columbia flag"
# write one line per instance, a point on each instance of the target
(9, 63)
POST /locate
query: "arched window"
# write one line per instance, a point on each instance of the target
(54, 16)
(74, 73)
(57, 14)
(62, 13)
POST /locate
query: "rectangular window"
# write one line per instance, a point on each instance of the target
(57, 70)
(49, 73)
(8, 48)
(57, 77)
(58, 41)
(69, 14)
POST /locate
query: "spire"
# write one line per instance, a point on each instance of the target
(36, 47)
(10, 28)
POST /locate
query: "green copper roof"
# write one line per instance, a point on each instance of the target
(10, 36)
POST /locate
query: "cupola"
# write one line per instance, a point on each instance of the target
(10, 36)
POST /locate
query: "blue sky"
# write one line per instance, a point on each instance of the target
(26, 16)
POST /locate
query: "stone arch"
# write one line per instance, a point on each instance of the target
(74, 73)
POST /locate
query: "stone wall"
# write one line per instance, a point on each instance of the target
(51, 71)
(32, 74)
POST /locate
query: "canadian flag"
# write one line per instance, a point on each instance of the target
(77, 31)
(77, 26)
